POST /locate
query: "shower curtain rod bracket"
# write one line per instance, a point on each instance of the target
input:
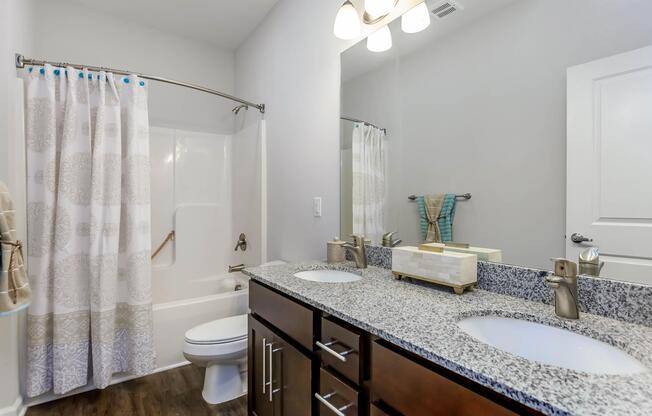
(21, 61)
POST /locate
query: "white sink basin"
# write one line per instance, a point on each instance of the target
(328, 276)
(549, 345)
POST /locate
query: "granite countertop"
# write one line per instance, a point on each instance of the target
(423, 319)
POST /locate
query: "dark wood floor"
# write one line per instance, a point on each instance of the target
(174, 392)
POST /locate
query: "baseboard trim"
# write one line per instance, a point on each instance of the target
(48, 397)
(16, 409)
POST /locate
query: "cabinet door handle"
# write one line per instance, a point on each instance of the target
(339, 355)
(264, 365)
(271, 371)
(337, 410)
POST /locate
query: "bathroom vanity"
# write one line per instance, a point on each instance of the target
(304, 361)
(378, 346)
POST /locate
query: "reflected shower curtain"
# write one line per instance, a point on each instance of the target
(368, 199)
(88, 221)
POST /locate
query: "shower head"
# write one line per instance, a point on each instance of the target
(237, 109)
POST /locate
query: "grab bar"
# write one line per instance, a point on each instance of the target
(168, 237)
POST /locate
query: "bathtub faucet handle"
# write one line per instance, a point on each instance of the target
(241, 243)
(236, 268)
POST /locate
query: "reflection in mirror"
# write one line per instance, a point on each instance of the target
(540, 114)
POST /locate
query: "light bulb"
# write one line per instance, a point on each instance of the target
(416, 19)
(377, 8)
(380, 40)
(347, 22)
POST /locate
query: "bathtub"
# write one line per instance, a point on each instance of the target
(172, 319)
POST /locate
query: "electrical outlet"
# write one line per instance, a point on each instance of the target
(316, 206)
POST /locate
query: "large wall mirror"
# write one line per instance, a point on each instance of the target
(523, 126)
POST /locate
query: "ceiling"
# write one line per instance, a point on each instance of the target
(357, 60)
(224, 23)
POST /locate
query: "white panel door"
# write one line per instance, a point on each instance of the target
(609, 162)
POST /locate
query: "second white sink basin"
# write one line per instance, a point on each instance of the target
(549, 345)
(328, 276)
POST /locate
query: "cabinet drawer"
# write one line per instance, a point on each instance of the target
(413, 389)
(290, 317)
(339, 396)
(340, 349)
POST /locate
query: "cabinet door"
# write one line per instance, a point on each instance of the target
(261, 340)
(292, 380)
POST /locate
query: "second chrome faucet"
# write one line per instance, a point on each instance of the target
(357, 250)
(564, 282)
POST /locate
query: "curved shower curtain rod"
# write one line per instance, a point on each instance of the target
(355, 120)
(21, 61)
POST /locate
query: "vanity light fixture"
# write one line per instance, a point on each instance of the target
(380, 40)
(347, 22)
(416, 19)
(379, 7)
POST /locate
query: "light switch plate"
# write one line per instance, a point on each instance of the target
(316, 206)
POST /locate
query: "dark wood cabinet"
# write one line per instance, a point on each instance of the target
(286, 315)
(292, 379)
(304, 362)
(341, 348)
(411, 386)
(260, 401)
(279, 374)
(335, 395)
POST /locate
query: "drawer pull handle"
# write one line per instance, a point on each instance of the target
(339, 411)
(339, 355)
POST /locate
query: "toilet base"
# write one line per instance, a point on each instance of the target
(223, 382)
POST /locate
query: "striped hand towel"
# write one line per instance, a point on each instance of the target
(446, 217)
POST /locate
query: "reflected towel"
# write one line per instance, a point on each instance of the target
(434, 204)
(446, 217)
(423, 217)
(15, 293)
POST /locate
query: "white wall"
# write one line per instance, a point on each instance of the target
(15, 28)
(71, 32)
(483, 110)
(292, 64)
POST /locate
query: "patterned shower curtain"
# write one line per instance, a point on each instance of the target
(88, 249)
(368, 199)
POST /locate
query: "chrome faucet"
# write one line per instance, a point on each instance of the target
(357, 250)
(564, 282)
(389, 241)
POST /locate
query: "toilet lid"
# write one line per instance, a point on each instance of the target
(233, 328)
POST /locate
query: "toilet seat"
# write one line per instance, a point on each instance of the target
(219, 331)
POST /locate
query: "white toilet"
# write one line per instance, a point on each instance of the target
(221, 347)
